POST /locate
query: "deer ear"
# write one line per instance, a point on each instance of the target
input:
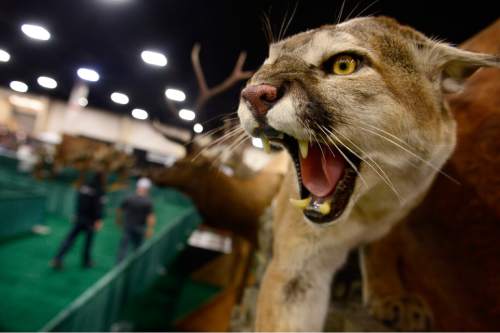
(457, 65)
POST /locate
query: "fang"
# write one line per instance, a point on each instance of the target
(302, 204)
(304, 148)
(266, 144)
(324, 208)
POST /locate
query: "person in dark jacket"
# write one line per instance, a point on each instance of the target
(88, 219)
(136, 217)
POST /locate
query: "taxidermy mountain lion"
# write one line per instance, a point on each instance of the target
(446, 250)
(359, 106)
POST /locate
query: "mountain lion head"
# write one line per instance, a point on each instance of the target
(359, 107)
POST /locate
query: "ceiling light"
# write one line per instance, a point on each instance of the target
(139, 114)
(175, 95)
(257, 143)
(4, 56)
(198, 128)
(119, 98)
(35, 32)
(88, 74)
(154, 58)
(115, 1)
(18, 86)
(83, 102)
(25, 102)
(47, 82)
(187, 114)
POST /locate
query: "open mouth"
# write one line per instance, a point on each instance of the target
(326, 179)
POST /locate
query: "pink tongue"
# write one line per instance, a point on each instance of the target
(321, 170)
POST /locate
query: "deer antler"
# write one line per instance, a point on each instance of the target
(205, 92)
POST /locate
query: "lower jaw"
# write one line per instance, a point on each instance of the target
(334, 205)
(313, 211)
(327, 209)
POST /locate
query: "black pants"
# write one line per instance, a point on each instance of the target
(130, 235)
(80, 226)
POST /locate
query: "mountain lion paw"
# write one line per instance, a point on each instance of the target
(403, 312)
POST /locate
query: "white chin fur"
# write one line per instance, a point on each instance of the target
(246, 118)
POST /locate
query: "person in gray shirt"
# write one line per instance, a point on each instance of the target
(136, 217)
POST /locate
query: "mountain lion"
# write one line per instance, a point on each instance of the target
(359, 108)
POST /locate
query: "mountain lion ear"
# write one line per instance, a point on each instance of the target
(457, 65)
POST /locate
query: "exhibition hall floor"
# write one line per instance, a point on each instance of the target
(32, 292)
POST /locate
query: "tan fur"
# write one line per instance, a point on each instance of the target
(398, 90)
(444, 255)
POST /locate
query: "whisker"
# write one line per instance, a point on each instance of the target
(352, 11)
(291, 18)
(339, 17)
(432, 166)
(221, 116)
(388, 133)
(407, 149)
(268, 18)
(319, 145)
(218, 128)
(324, 139)
(313, 138)
(366, 8)
(329, 140)
(240, 141)
(382, 176)
(266, 28)
(223, 145)
(307, 129)
(282, 25)
(225, 137)
(345, 156)
(230, 134)
(214, 131)
(232, 147)
(408, 146)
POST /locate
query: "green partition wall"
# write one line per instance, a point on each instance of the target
(20, 211)
(99, 306)
(21, 205)
(34, 297)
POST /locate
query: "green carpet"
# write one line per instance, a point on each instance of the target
(171, 298)
(31, 293)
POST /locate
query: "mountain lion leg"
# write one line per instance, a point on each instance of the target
(383, 290)
(295, 291)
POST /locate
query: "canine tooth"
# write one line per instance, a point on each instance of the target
(266, 144)
(300, 203)
(324, 208)
(304, 148)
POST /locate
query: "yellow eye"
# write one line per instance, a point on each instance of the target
(344, 65)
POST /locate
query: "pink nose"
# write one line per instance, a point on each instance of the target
(260, 97)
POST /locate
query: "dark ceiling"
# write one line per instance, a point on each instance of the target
(109, 35)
